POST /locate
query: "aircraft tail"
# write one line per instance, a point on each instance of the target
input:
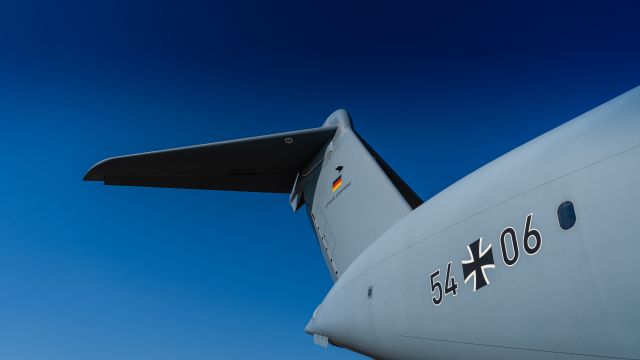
(351, 195)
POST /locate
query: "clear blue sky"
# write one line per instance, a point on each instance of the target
(95, 272)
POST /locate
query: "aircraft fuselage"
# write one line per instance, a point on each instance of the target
(496, 267)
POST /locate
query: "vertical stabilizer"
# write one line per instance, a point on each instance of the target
(351, 195)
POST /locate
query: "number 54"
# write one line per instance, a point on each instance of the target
(450, 285)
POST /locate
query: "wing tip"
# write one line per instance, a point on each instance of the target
(96, 173)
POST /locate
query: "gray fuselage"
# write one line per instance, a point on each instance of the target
(570, 294)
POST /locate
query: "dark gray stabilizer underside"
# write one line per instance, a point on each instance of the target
(263, 164)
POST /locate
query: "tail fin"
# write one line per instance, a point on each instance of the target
(352, 196)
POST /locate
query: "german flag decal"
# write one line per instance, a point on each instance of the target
(336, 184)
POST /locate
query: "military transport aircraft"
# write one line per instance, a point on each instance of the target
(533, 256)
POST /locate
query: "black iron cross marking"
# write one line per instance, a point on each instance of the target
(476, 265)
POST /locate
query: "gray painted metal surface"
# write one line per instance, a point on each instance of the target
(484, 269)
(350, 200)
(263, 163)
(577, 297)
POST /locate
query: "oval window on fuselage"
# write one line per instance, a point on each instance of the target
(566, 215)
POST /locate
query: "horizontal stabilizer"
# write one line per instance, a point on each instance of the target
(264, 164)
